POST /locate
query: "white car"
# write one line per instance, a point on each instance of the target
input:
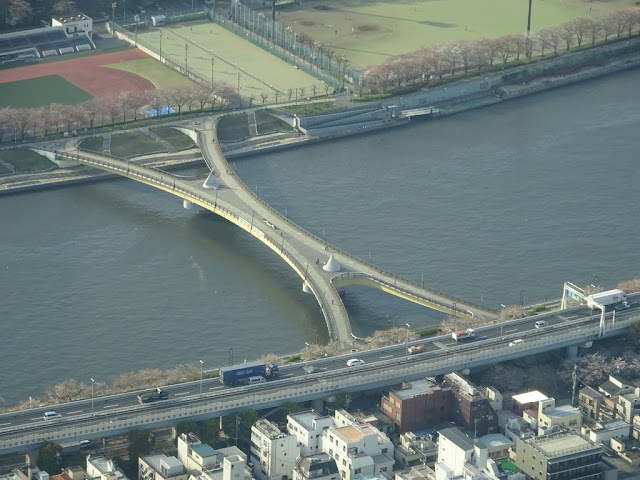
(354, 362)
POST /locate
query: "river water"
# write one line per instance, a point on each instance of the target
(492, 206)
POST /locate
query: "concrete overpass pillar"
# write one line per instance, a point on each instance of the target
(318, 405)
(187, 205)
(572, 351)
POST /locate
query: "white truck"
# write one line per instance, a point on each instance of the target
(608, 298)
(467, 334)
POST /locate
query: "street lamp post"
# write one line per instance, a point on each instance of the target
(113, 18)
(213, 62)
(186, 58)
(306, 366)
(201, 364)
(92, 382)
(407, 341)
(136, 18)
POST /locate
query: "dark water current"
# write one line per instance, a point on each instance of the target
(107, 278)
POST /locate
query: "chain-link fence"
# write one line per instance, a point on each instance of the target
(314, 58)
(134, 32)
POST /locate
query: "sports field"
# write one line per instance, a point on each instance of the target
(34, 92)
(72, 80)
(367, 32)
(259, 72)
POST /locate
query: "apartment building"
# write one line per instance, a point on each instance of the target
(559, 456)
(99, 467)
(274, 453)
(161, 467)
(307, 427)
(319, 466)
(358, 450)
(418, 405)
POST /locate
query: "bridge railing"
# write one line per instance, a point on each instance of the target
(406, 292)
(332, 248)
(174, 183)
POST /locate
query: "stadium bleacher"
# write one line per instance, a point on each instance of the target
(41, 43)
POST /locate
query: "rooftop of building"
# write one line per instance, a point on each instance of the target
(493, 440)
(71, 18)
(612, 424)
(562, 411)
(204, 450)
(355, 433)
(416, 388)
(529, 397)
(268, 429)
(591, 392)
(559, 444)
(320, 461)
(160, 461)
(305, 418)
(458, 437)
(102, 464)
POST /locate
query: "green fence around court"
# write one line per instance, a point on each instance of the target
(137, 33)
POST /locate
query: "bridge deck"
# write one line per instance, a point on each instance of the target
(303, 251)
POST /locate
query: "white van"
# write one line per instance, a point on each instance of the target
(541, 323)
(516, 342)
(257, 379)
(51, 415)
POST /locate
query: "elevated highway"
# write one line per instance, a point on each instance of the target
(322, 267)
(118, 414)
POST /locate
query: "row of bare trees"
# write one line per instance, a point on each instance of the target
(21, 123)
(464, 55)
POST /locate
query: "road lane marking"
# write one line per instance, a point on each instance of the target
(111, 406)
(77, 411)
(386, 356)
(3, 424)
(180, 393)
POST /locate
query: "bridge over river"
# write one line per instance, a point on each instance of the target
(322, 267)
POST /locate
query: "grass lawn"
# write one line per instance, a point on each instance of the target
(259, 72)
(267, 123)
(175, 137)
(26, 160)
(367, 33)
(154, 71)
(134, 143)
(92, 144)
(34, 92)
(233, 128)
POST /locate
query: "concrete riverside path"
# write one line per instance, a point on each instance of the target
(322, 267)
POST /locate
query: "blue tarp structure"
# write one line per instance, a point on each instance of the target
(163, 111)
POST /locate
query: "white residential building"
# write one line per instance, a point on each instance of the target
(359, 450)
(99, 467)
(196, 455)
(461, 457)
(274, 453)
(161, 467)
(605, 431)
(455, 450)
(552, 418)
(307, 428)
(316, 467)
